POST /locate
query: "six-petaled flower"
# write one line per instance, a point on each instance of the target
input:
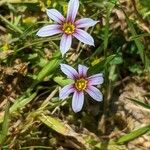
(68, 27)
(82, 83)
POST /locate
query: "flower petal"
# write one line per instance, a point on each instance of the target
(77, 101)
(65, 43)
(49, 30)
(65, 91)
(94, 93)
(85, 22)
(55, 15)
(82, 70)
(84, 37)
(69, 71)
(96, 79)
(72, 10)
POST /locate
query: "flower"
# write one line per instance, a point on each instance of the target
(81, 83)
(68, 27)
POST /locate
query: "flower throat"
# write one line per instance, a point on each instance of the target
(81, 84)
(68, 28)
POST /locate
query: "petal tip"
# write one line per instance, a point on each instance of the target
(76, 110)
(63, 52)
(96, 22)
(47, 10)
(39, 34)
(92, 44)
(100, 98)
(77, 101)
(61, 65)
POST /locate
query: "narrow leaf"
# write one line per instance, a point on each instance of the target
(62, 82)
(20, 104)
(132, 135)
(15, 28)
(55, 124)
(106, 28)
(138, 43)
(5, 124)
(49, 67)
(147, 106)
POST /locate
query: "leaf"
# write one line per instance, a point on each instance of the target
(62, 82)
(5, 124)
(106, 27)
(147, 106)
(37, 41)
(134, 134)
(64, 129)
(140, 36)
(102, 146)
(145, 3)
(136, 68)
(12, 26)
(22, 1)
(138, 43)
(56, 125)
(21, 103)
(116, 61)
(50, 67)
(101, 65)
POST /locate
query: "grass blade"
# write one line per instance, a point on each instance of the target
(140, 36)
(49, 67)
(138, 43)
(55, 124)
(20, 104)
(5, 125)
(106, 28)
(147, 106)
(132, 135)
(15, 28)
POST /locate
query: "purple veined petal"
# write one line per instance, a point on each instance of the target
(49, 30)
(65, 91)
(73, 7)
(94, 93)
(65, 43)
(85, 22)
(69, 71)
(82, 70)
(55, 15)
(96, 79)
(84, 37)
(77, 101)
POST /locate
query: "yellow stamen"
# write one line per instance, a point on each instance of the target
(68, 28)
(81, 84)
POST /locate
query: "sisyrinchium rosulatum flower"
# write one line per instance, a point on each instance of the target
(82, 83)
(68, 27)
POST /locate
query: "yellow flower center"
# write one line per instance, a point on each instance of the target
(68, 28)
(81, 84)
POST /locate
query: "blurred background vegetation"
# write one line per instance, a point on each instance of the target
(32, 116)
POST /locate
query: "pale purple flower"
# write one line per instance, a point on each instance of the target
(68, 27)
(82, 83)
